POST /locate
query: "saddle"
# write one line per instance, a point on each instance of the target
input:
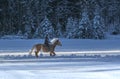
(47, 46)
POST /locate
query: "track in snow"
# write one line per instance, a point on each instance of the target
(58, 58)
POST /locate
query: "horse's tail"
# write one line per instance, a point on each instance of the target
(31, 50)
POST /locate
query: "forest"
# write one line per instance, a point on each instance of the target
(80, 19)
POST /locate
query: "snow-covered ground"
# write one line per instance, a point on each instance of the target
(76, 59)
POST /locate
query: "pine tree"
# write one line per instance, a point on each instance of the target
(28, 22)
(63, 11)
(71, 27)
(85, 29)
(59, 30)
(98, 24)
(44, 28)
(114, 14)
(19, 33)
(27, 15)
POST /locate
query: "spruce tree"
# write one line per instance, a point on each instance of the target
(44, 28)
(98, 24)
(71, 28)
(85, 29)
(59, 30)
(28, 23)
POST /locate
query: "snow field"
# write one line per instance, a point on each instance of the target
(76, 59)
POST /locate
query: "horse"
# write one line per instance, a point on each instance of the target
(49, 49)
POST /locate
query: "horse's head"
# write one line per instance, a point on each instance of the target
(56, 41)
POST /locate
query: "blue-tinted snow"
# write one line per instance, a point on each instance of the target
(68, 45)
(76, 59)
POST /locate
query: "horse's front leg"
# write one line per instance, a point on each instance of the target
(52, 53)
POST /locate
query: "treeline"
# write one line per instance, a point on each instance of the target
(60, 18)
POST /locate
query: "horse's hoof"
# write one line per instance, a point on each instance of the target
(53, 55)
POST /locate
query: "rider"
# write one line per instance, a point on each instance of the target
(47, 42)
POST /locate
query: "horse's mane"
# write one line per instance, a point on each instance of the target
(54, 40)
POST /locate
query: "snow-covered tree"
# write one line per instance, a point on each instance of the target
(72, 25)
(85, 29)
(115, 16)
(116, 28)
(19, 33)
(69, 26)
(29, 24)
(44, 28)
(98, 24)
(63, 11)
(26, 15)
(59, 30)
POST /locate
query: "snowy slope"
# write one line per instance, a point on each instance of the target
(76, 59)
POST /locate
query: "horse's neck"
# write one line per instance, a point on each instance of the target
(54, 45)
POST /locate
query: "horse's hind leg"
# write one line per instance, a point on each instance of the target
(31, 50)
(36, 54)
(37, 51)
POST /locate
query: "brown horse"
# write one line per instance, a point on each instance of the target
(44, 48)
